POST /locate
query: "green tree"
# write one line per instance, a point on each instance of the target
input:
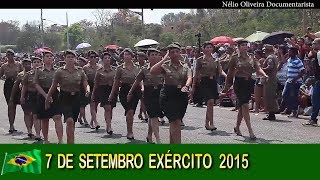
(75, 35)
(29, 38)
(167, 38)
(9, 31)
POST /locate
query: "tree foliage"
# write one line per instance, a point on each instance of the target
(125, 27)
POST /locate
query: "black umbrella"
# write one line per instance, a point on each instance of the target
(277, 37)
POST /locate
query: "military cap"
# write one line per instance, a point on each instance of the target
(35, 58)
(153, 50)
(173, 46)
(46, 52)
(150, 50)
(141, 53)
(240, 41)
(10, 51)
(26, 60)
(268, 47)
(127, 50)
(207, 43)
(70, 52)
(83, 59)
(178, 44)
(163, 49)
(92, 52)
(106, 53)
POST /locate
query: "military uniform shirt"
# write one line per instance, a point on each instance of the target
(148, 79)
(10, 70)
(44, 77)
(243, 64)
(20, 76)
(207, 68)
(105, 76)
(272, 62)
(91, 71)
(70, 81)
(175, 75)
(28, 80)
(126, 76)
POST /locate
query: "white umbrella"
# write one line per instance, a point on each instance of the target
(257, 36)
(146, 42)
(317, 34)
(83, 45)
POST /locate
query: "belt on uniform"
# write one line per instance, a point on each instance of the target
(71, 93)
(154, 86)
(209, 77)
(10, 79)
(176, 86)
(126, 84)
(245, 78)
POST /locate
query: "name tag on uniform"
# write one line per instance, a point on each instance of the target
(179, 86)
(211, 77)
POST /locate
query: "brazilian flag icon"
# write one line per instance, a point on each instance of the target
(28, 162)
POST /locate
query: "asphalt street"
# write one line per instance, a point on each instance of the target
(283, 130)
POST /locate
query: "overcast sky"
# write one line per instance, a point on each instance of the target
(58, 16)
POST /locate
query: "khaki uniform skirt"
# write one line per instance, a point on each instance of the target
(209, 88)
(54, 109)
(132, 104)
(152, 101)
(173, 102)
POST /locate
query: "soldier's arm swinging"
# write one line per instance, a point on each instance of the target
(52, 89)
(96, 84)
(14, 89)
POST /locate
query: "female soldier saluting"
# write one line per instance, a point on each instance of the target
(43, 80)
(126, 74)
(70, 78)
(173, 96)
(208, 69)
(10, 70)
(152, 85)
(103, 82)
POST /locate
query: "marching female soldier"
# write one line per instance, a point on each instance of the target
(71, 79)
(142, 57)
(174, 96)
(28, 99)
(125, 77)
(207, 70)
(241, 67)
(10, 70)
(84, 101)
(90, 69)
(152, 85)
(43, 80)
(103, 82)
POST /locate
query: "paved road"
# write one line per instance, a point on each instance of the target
(284, 130)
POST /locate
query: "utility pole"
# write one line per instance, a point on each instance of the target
(42, 32)
(304, 21)
(67, 30)
(142, 19)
